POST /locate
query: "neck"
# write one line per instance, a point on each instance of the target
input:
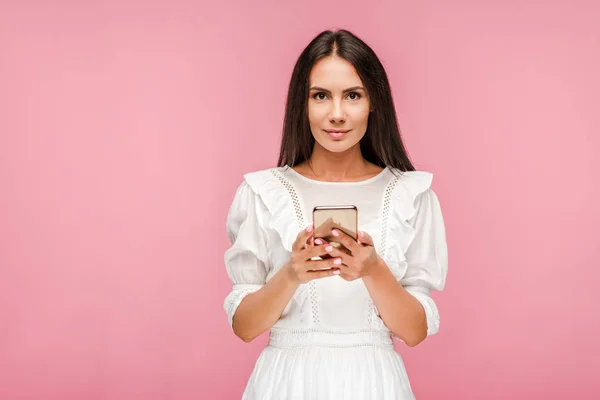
(333, 167)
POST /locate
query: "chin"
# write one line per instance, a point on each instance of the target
(338, 147)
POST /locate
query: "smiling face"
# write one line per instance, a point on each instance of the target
(339, 102)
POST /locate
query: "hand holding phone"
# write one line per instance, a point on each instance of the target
(327, 218)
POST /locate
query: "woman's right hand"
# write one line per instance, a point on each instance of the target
(302, 268)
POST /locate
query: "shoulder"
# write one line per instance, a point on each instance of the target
(250, 196)
(265, 180)
(251, 183)
(410, 187)
(273, 202)
(420, 178)
(260, 186)
(254, 178)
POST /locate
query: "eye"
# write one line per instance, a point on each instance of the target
(355, 94)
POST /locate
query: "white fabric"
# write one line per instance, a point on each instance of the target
(330, 342)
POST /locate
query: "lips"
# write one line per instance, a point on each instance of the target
(337, 134)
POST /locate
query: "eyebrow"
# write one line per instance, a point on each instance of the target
(345, 91)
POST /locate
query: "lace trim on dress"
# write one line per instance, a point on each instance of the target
(312, 291)
(387, 199)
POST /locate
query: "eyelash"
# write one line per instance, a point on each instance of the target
(314, 96)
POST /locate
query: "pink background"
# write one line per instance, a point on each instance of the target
(125, 128)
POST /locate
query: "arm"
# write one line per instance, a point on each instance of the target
(402, 313)
(255, 304)
(246, 261)
(405, 305)
(260, 310)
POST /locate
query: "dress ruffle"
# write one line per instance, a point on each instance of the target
(276, 196)
(285, 220)
(285, 217)
(400, 233)
(292, 366)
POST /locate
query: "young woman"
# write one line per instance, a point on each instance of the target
(332, 330)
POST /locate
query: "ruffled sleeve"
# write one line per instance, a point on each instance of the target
(427, 256)
(246, 261)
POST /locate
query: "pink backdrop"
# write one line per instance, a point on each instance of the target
(125, 127)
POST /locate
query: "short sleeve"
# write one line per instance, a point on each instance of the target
(246, 261)
(427, 256)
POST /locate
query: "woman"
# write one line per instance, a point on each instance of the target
(332, 330)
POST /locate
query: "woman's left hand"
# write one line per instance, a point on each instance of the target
(362, 261)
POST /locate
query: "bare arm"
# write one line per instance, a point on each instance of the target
(402, 313)
(404, 305)
(260, 310)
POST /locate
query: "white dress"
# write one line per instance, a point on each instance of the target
(330, 343)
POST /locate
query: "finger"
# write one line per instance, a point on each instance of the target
(348, 276)
(346, 258)
(315, 251)
(325, 244)
(365, 238)
(346, 240)
(319, 241)
(322, 241)
(333, 225)
(324, 229)
(323, 274)
(303, 236)
(315, 265)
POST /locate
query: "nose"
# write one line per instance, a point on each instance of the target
(337, 114)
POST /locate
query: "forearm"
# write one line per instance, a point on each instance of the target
(260, 310)
(401, 312)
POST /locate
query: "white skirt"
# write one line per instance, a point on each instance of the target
(316, 365)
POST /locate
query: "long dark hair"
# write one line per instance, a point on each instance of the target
(382, 143)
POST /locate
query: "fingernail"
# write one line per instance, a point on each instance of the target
(361, 234)
(336, 272)
(318, 241)
(309, 228)
(335, 232)
(337, 261)
(329, 248)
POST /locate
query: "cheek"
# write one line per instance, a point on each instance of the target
(360, 113)
(316, 113)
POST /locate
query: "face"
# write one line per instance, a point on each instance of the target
(337, 102)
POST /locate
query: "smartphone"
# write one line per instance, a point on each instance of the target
(343, 217)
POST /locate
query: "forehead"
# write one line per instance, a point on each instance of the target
(334, 72)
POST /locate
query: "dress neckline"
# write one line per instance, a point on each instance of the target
(315, 181)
